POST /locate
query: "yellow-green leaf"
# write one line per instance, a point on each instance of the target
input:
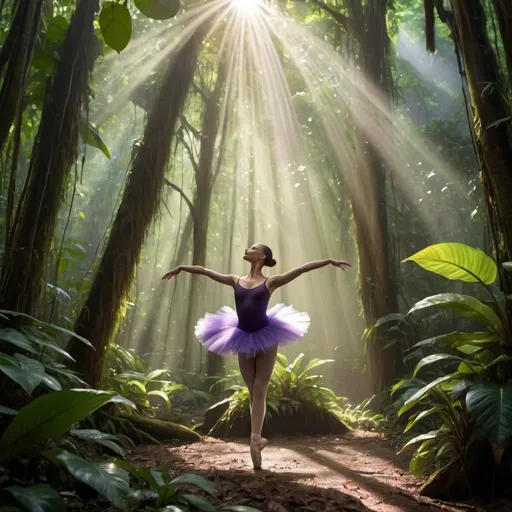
(457, 262)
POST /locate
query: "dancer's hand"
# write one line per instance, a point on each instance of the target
(172, 273)
(341, 264)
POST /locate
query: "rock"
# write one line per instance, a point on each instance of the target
(307, 419)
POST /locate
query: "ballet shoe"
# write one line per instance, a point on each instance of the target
(257, 445)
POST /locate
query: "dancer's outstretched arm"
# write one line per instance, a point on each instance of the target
(282, 279)
(228, 279)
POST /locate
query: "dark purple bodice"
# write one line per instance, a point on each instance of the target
(251, 307)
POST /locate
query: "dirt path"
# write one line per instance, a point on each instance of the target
(359, 471)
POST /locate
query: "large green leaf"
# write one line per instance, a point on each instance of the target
(423, 414)
(433, 434)
(108, 440)
(457, 339)
(116, 25)
(434, 358)
(52, 328)
(466, 306)
(158, 9)
(106, 478)
(38, 498)
(457, 262)
(418, 395)
(490, 407)
(37, 370)
(13, 369)
(16, 338)
(48, 417)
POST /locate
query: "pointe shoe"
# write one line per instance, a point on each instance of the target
(257, 445)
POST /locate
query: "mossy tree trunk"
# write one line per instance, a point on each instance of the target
(54, 152)
(99, 317)
(492, 116)
(16, 54)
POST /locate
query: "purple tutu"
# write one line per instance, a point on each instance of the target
(219, 332)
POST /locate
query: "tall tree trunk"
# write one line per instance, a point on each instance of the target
(366, 24)
(492, 115)
(21, 39)
(205, 173)
(377, 287)
(54, 152)
(98, 319)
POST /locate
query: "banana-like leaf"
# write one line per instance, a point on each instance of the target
(110, 441)
(466, 306)
(434, 358)
(49, 417)
(433, 434)
(423, 414)
(457, 262)
(457, 339)
(52, 328)
(416, 397)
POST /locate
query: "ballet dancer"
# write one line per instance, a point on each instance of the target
(252, 332)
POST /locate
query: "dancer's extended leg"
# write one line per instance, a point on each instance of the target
(264, 366)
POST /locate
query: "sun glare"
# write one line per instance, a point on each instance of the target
(247, 6)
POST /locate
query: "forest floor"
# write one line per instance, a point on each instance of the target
(359, 471)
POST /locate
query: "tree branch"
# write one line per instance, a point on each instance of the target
(343, 20)
(180, 136)
(199, 91)
(190, 128)
(184, 196)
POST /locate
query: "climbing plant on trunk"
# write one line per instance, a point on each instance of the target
(15, 61)
(53, 154)
(492, 116)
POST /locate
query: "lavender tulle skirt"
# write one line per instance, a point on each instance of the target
(218, 332)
